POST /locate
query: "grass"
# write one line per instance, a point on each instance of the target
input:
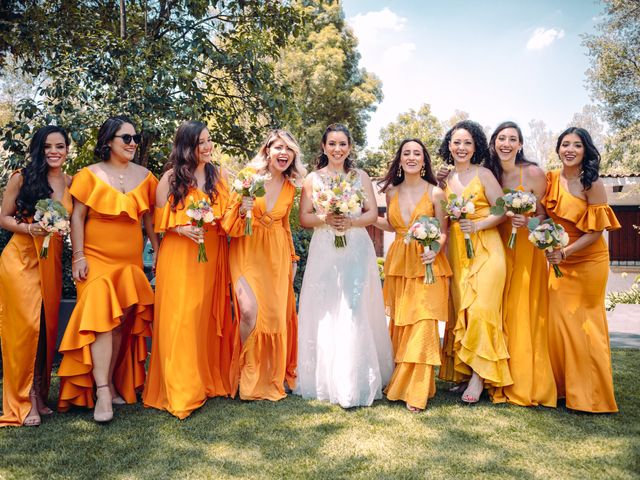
(295, 438)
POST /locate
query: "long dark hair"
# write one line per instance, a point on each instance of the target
(590, 162)
(392, 177)
(184, 162)
(107, 132)
(322, 160)
(35, 183)
(481, 153)
(493, 163)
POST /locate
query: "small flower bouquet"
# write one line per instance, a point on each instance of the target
(514, 202)
(249, 183)
(52, 217)
(457, 208)
(547, 235)
(200, 212)
(425, 231)
(339, 196)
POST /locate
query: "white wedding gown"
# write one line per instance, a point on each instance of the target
(344, 350)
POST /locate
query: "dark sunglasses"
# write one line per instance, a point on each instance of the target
(126, 138)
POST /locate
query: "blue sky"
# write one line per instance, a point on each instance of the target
(498, 60)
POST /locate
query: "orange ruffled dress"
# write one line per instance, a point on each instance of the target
(30, 286)
(525, 319)
(116, 281)
(414, 309)
(193, 333)
(264, 260)
(474, 339)
(578, 331)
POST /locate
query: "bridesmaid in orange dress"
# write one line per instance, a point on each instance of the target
(30, 286)
(578, 330)
(193, 330)
(525, 299)
(105, 339)
(262, 269)
(414, 308)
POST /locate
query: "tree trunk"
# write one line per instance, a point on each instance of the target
(123, 20)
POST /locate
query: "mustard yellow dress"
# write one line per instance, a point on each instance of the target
(116, 281)
(30, 292)
(474, 338)
(194, 335)
(414, 309)
(525, 318)
(578, 330)
(264, 259)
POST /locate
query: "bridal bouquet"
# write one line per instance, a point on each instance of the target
(52, 217)
(339, 196)
(457, 208)
(425, 231)
(548, 236)
(250, 183)
(512, 203)
(200, 212)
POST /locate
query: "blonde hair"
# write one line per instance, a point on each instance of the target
(296, 171)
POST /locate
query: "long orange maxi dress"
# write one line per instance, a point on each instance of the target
(30, 291)
(525, 319)
(116, 281)
(578, 330)
(193, 329)
(414, 309)
(474, 339)
(264, 260)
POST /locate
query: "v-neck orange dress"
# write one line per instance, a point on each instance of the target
(113, 245)
(525, 319)
(578, 330)
(30, 292)
(264, 259)
(474, 338)
(194, 335)
(414, 309)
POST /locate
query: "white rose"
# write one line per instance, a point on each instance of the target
(517, 203)
(471, 208)
(209, 217)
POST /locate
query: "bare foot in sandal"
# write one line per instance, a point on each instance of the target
(474, 390)
(33, 418)
(413, 409)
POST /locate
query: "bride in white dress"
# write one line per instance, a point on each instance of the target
(344, 350)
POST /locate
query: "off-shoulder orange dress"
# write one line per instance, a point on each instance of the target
(414, 309)
(116, 281)
(264, 260)
(474, 338)
(578, 330)
(193, 329)
(30, 291)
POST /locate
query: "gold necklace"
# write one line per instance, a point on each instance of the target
(120, 179)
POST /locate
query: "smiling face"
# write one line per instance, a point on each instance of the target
(121, 151)
(280, 155)
(507, 144)
(461, 146)
(205, 147)
(337, 148)
(571, 151)
(55, 150)
(412, 158)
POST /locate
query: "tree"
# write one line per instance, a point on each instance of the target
(540, 145)
(172, 61)
(589, 119)
(458, 116)
(320, 68)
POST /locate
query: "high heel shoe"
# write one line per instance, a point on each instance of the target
(102, 417)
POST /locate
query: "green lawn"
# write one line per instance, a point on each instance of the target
(302, 439)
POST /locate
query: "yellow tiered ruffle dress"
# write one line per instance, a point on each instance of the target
(578, 330)
(414, 309)
(194, 336)
(113, 245)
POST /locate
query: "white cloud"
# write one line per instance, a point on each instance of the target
(543, 37)
(367, 26)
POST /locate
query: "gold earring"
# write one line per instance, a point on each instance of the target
(423, 171)
(399, 174)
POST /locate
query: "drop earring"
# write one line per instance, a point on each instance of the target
(423, 170)
(399, 174)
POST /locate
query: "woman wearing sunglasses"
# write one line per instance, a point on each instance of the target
(103, 346)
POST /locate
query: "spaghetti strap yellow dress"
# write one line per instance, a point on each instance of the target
(116, 281)
(193, 330)
(474, 338)
(578, 330)
(30, 292)
(414, 309)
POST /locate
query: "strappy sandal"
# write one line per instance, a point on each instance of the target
(32, 420)
(413, 409)
(43, 408)
(103, 417)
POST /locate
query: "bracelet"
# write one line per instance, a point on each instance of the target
(79, 259)
(29, 229)
(563, 254)
(76, 252)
